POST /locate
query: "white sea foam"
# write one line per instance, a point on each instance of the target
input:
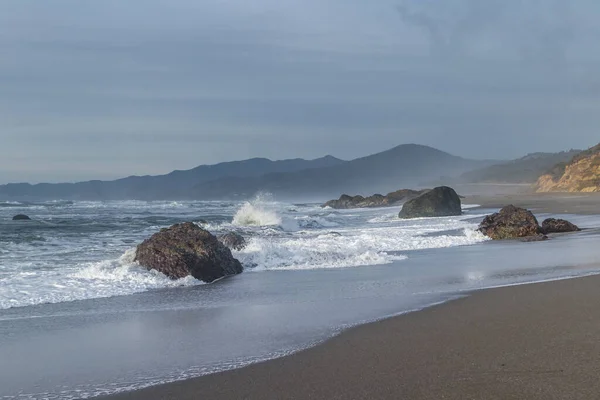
(356, 246)
(107, 278)
(309, 253)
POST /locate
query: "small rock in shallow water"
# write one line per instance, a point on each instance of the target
(552, 225)
(536, 238)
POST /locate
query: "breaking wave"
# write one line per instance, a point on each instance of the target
(257, 212)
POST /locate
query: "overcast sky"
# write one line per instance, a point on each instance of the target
(108, 88)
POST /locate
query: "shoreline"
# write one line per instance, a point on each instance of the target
(552, 203)
(432, 353)
(113, 344)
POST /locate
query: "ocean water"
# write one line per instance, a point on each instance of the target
(78, 318)
(83, 250)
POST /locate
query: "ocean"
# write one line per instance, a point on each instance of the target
(78, 318)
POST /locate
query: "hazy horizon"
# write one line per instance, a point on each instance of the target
(109, 89)
(258, 157)
(224, 161)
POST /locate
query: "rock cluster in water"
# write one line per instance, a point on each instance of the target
(518, 223)
(377, 200)
(441, 201)
(186, 249)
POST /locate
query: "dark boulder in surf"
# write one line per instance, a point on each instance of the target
(233, 240)
(511, 223)
(21, 217)
(441, 201)
(552, 225)
(186, 249)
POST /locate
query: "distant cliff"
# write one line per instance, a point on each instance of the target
(581, 174)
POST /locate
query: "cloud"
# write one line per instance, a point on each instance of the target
(116, 88)
(534, 30)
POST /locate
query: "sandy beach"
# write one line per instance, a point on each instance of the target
(537, 341)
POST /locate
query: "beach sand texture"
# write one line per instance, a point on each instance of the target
(539, 341)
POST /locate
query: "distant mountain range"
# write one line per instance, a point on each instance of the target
(175, 185)
(523, 170)
(403, 166)
(406, 166)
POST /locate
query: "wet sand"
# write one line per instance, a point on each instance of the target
(556, 203)
(539, 341)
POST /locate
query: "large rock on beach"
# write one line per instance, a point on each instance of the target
(186, 249)
(21, 217)
(441, 201)
(552, 225)
(233, 240)
(510, 223)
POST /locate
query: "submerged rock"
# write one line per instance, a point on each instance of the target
(21, 217)
(441, 201)
(510, 223)
(552, 225)
(537, 238)
(233, 240)
(186, 249)
(377, 200)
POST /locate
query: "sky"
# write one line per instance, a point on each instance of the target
(100, 89)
